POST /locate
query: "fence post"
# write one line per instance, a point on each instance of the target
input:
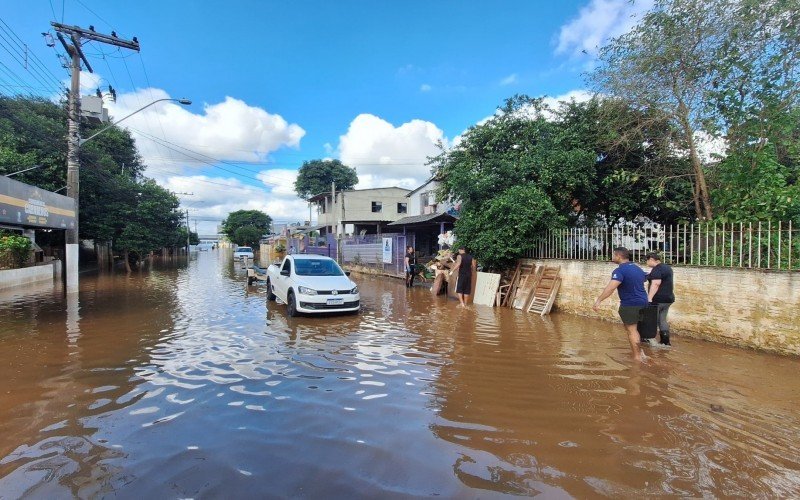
(780, 226)
(769, 243)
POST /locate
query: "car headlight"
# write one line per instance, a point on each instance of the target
(354, 290)
(306, 291)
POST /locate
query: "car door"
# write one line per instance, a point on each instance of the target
(282, 286)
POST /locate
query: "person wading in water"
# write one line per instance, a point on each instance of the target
(660, 292)
(465, 266)
(411, 266)
(628, 280)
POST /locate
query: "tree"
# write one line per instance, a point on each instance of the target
(514, 176)
(666, 64)
(247, 236)
(151, 220)
(241, 218)
(116, 203)
(721, 68)
(757, 103)
(316, 176)
(636, 171)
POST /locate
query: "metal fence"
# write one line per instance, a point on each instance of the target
(751, 245)
(327, 246)
(368, 251)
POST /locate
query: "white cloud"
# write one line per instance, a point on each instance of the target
(228, 130)
(425, 88)
(385, 155)
(598, 22)
(509, 80)
(231, 130)
(90, 82)
(215, 197)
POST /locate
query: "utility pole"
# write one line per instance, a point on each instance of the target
(335, 225)
(76, 35)
(188, 230)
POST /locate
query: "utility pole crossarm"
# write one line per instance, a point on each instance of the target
(111, 39)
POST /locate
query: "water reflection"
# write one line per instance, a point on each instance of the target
(181, 381)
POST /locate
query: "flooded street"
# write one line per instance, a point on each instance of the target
(179, 382)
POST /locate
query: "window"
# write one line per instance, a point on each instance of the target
(424, 199)
(287, 266)
(377, 207)
(402, 208)
(314, 267)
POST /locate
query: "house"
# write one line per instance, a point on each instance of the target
(360, 211)
(422, 200)
(427, 218)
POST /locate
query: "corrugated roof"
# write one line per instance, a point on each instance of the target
(418, 219)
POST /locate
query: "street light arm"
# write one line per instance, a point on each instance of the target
(185, 102)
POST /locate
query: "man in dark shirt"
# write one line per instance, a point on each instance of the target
(660, 292)
(410, 262)
(628, 281)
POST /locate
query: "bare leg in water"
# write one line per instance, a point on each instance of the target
(634, 339)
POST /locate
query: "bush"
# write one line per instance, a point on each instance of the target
(14, 251)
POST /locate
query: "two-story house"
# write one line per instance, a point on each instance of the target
(358, 211)
(427, 218)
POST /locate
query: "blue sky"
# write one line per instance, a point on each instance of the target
(372, 83)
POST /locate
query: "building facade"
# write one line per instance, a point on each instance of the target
(360, 211)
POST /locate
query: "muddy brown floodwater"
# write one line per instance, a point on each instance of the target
(177, 383)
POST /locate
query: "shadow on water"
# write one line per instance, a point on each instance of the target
(181, 381)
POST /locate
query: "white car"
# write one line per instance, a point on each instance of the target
(243, 252)
(312, 284)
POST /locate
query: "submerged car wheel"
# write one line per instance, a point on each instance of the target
(291, 305)
(270, 295)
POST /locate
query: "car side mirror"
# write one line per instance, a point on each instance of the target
(285, 272)
(347, 273)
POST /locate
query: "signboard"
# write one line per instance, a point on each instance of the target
(387, 251)
(25, 205)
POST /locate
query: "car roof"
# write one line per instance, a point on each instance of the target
(310, 256)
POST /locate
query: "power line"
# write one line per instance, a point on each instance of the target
(36, 63)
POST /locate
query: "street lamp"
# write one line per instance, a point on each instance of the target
(185, 102)
(73, 173)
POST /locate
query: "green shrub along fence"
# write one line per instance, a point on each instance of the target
(14, 251)
(748, 245)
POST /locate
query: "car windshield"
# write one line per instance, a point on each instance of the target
(244, 249)
(317, 267)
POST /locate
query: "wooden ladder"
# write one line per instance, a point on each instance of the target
(529, 274)
(545, 291)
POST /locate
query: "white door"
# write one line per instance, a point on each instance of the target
(282, 286)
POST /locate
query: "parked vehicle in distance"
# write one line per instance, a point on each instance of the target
(312, 284)
(243, 252)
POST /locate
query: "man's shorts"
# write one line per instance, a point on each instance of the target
(630, 314)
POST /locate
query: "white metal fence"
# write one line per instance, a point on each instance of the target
(759, 245)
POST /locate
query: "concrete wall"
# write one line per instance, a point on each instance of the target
(749, 308)
(10, 278)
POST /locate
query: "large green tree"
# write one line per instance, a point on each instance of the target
(666, 63)
(636, 172)
(247, 236)
(725, 69)
(514, 176)
(117, 204)
(316, 176)
(246, 218)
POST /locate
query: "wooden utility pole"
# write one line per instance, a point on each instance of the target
(76, 37)
(188, 232)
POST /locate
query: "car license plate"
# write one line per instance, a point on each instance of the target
(335, 302)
